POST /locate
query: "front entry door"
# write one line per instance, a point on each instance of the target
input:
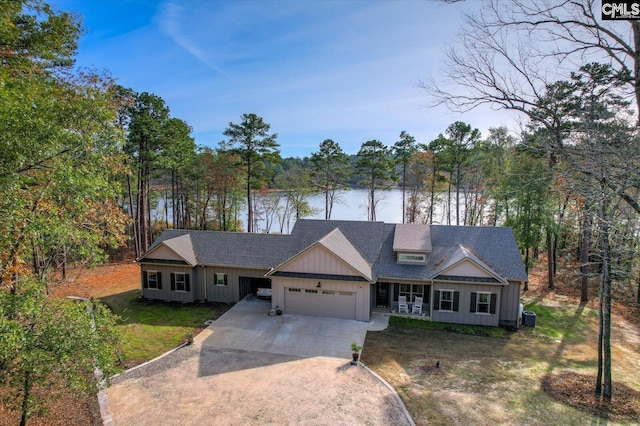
(382, 295)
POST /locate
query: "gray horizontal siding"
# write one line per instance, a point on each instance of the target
(166, 293)
(229, 293)
(464, 314)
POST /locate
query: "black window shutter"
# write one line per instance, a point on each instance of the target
(492, 307)
(173, 282)
(436, 300)
(225, 279)
(187, 285)
(456, 300)
(145, 283)
(159, 278)
(474, 296)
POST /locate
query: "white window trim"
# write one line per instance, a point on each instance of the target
(411, 295)
(149, 281)
(219, 274)
(488, 303)
(450, 301)
(184, 281)
(402, 257)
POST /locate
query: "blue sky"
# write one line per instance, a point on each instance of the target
(346, 70)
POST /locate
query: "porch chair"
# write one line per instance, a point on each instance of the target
(417, 306)
(402, 304)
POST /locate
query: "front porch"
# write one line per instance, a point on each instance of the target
(393, 312)
(385, 299)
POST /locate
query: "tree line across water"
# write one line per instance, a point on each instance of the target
(81, 160)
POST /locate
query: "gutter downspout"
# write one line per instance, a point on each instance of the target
(431, 291)
(204, 280)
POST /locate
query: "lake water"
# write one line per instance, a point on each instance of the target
(353, 205)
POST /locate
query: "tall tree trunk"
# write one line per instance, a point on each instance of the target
(166, 208)
(584, 257)
(249, 204)
(64, 262)
(433, 196)
(148, 239)
(36, 259)
(141, 211)
(607, 388)
(174, 210)
(449, 202)
(458, 194)
(404, 180)
(327, 212)
(26, 394)
(134, 223)
(635, 26)
(550, 257)
(598, 389)
(526, 267)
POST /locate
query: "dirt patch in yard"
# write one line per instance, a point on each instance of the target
(197, 385)
(576, 390)
(101, 281)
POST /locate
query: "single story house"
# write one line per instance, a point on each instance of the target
(346, 269)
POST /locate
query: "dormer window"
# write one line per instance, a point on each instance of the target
(411, 257)
(412, 243)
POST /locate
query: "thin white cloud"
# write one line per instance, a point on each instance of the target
(171, 22)
(314, 70)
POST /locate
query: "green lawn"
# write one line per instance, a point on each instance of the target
(494, 376)
(151, 328)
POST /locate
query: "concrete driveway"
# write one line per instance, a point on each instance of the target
(249, 368)
(248, 327)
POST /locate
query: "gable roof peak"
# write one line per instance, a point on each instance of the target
(339, 245)
(460, 254)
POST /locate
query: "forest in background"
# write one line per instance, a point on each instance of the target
(83, 161)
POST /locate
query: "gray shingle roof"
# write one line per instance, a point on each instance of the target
(366, 237)
(494, 246)
(459, 254)
(235, 248)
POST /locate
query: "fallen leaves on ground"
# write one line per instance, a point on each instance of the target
(577, 391)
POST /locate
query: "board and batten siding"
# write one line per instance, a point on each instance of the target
(229, 293)
(318, 260)
(165, 274)
(165, 253)
(464, 314)
(510, 304)
(361, 289)
(466, 269)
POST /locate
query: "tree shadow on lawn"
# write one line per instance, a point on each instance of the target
(407, 355)
(578, 390)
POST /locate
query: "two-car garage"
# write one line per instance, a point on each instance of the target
(328, 298)
(319, 302)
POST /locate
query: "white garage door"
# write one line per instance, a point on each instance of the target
(320, 303)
